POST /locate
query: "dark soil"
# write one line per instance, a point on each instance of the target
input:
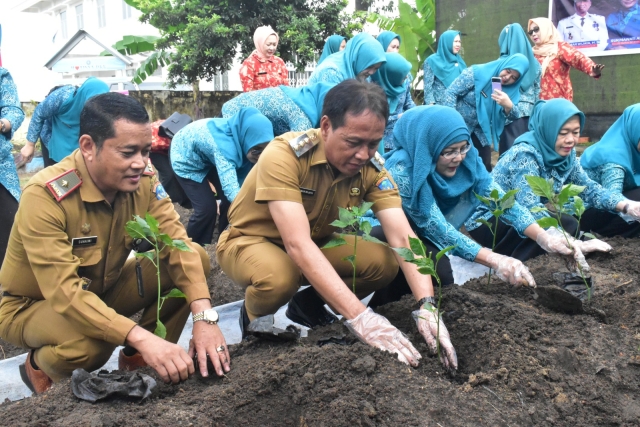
(520, 365)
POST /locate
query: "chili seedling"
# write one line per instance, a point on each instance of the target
(147, 228)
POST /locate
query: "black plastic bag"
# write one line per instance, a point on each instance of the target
(97, 386)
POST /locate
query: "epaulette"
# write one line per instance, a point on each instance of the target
(149, 169)
(378, 161)
(64, 184)
(304, 143)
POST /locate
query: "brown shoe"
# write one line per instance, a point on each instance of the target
(37, 381)
(130, 363)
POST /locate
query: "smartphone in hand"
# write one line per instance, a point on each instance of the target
(496, 83)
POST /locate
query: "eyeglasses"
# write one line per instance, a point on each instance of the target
(533, 30)
(450, 155)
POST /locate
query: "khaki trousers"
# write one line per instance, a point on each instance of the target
(60, 349)
(270, 278)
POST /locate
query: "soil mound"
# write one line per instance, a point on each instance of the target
(521, 364)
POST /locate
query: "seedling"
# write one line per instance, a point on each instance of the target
(147, 228)
(351, 223)
(417, 254)
(497, 206)
(565, 202)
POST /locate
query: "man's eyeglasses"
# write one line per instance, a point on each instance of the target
(533, 30)
(450, 155)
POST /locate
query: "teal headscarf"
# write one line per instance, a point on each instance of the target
(361, 52)
(420, 136)
(618, 145)
(386, 37)
(66, 123)
(332, 45)
(512, 40)
(238, 134)
(391, 76)
(545, 123)
(491, 115)
(309, 98)
(445, 64)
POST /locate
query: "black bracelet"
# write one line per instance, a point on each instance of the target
(423, 301)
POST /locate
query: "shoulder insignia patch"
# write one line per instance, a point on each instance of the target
(304, 143)
(378, 161)
(149, 169)
(63, 185)
(159, 191)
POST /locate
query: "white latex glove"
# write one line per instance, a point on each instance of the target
(510, 270)
(375, 330)
(428, 326)
(578, 247)
(634, 209)
(553, 241)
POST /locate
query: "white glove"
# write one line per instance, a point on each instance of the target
(510, 270)
(428, 328)
(578, 248)
(633, 209)
(552, 240)
(375, 330)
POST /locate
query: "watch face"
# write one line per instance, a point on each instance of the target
(211, 315)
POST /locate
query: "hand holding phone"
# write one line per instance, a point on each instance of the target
(496, 83)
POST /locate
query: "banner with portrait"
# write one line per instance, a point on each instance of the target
(598, 27)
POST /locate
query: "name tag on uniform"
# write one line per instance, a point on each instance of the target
(307, 191)
(78, 242)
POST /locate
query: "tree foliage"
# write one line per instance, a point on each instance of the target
(203, 35)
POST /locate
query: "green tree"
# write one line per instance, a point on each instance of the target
(199, 38)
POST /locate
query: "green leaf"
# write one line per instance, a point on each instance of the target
(181, 246)
(151, 255)
(589, 235)
(540, 186)
(351, 259)
(510, 193)
(507, 202)
(152, 222)
(164, 238)
(365, 206)
(417, 246)
(483, 199)
(346, 216)
(334, 243)
(370, 238)
(444, 251)
(175, 293)
(161, 330)
(497, 213)
(578, 206)
(339, 224)
(365, 226)
(143, 224)
(405, 253)
(427, 270)
(134, 230)
(485, 222)
(495, 195)
(547, 222)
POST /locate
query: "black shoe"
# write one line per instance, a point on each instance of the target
(263, 327)
(307, 308)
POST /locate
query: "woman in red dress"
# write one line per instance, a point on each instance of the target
(556, 59)
(262, 69)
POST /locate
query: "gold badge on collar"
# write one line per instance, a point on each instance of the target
(86, 228)
(354, 191)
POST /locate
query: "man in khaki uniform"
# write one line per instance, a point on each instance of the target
(282, 217)
(68, 287)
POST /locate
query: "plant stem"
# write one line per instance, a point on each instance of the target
(355, 246)
(157, 251)
(438, 315)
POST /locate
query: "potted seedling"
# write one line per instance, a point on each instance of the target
(417, 254)
(497, 206)
(146, 229)
(567, 202)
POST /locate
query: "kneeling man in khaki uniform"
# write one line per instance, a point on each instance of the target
(281, 218)
(68, 285)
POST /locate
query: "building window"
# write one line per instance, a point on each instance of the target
(102, 15)
(126, 10)
(80, 16)
(63, 24)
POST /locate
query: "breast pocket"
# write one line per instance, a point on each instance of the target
(88, 256)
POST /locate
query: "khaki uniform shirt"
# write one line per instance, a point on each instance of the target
(43, 261)
(304, 176)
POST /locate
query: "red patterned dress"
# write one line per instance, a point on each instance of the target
(555, 82)
(257, 73)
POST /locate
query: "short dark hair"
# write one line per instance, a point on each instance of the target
(354, 97)
(101, 111)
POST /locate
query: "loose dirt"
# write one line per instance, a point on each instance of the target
(521, 364)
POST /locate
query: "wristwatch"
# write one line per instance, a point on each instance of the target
(210, 316)
(430, 300)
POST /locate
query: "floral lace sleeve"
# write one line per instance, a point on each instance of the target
(610, 175)
(48, 108)
(227, 174)
(329, 75)
(428, 79)
(459, 88)
(594, 195)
